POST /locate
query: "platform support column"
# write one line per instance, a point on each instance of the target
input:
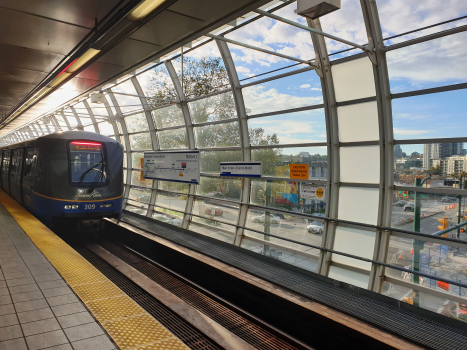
(332, 136)
(65, 119)
(386, 142)
(91, 115)
(190, 135)
(154, 139)
(80, 125)
(244, 136)
(126, 139)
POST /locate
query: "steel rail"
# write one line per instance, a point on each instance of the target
(311, 30)
(221, 38)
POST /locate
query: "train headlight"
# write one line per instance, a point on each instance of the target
(67, 206)
(106, 205)
(74, 206)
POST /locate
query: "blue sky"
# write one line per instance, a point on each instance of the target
(435, 63)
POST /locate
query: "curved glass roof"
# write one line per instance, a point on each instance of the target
(367, 125)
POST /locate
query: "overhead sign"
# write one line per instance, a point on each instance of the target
(312, 192)
(299, 171)
(176, 166)
(241, 169)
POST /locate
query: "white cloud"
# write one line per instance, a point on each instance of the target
(244, 70)
(398, 16)
(439, 60)
(305, 86)
(259, 100)
(411, 132)
(207, 50)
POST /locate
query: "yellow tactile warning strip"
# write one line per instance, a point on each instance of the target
(124, 320)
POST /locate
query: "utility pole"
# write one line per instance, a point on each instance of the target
(417, 245)
(267, 216)
(459, 211)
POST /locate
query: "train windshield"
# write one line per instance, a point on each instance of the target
(87, 163)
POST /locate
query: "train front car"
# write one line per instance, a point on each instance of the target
(79, 180)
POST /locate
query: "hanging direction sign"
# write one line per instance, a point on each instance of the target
(241, 169)
(176, 166)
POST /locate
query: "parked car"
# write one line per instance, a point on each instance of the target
(400, 203)
(273, 219)
(410, 206)
(217, 211)
(315, 227)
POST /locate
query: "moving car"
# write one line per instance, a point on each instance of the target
(315, 227)
(410, 206)
(273, 219)
(400, 203)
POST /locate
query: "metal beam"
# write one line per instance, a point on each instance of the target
(311, 30)
(332, 138)
(425, 38)
(221, 38)
(386, 142)
(127, 143)
(91, 115)
(244, 136)
(80, 125)
(190, 136)
(154, 139)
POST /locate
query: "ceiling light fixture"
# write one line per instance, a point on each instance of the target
(144, 9)
(82, 60)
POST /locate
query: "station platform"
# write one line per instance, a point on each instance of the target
(53, 295)
(53, 298)
(328, 308)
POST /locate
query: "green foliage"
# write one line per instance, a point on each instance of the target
(202, 77)
(436, 169)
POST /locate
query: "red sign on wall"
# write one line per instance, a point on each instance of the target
(443, 285)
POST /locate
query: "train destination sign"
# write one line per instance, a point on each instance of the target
(241, 169)
(176, 166)
(312, 192)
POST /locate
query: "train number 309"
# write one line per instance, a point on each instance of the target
(89, 206)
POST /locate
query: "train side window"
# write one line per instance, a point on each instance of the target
(13, 163)
(6, 160)
(28, 162)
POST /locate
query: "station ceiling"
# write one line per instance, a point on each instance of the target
(40, 38)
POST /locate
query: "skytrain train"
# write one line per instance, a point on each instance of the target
(67, 180)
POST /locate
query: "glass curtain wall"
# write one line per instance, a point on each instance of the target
(383, 132)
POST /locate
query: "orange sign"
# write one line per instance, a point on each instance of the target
(141, 176)
(443, 285)
(299, 171)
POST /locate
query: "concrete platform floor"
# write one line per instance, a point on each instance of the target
(37, 308)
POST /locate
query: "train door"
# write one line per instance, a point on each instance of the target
(5, 170)
(19, 187)
(15, 174)
(28, 177)
(12, 173)
(1, 164)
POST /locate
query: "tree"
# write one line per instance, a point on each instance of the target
(436, 169)
(202, 77)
